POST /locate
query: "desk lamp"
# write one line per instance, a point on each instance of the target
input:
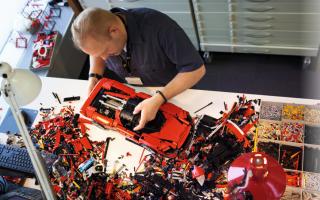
(256, 175)
(20, 87)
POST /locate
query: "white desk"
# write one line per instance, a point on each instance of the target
(191, 100)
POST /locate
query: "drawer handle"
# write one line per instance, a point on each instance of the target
(258, 0)
(259, 19)
(128, 1)
(258, 27)
(256, 51)
(258, 35)
(260, 9)
(257, 42)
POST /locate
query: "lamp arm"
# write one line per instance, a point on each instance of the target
(36, 159)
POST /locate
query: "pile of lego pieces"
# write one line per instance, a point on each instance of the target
(78, 172)
(199, 172)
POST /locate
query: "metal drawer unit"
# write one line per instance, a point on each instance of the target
(178, 10)
(259, 26)
(275, 6)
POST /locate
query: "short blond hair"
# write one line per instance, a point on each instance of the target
(91, 22)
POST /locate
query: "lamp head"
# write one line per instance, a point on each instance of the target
(5, 69)
(24, 84)
(266, 180)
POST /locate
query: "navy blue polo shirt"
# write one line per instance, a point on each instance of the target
(159, 48)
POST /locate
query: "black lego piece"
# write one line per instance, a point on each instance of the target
(74, 98)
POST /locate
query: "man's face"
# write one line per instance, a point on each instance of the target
(105, 46)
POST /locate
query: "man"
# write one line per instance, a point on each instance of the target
(143, 47)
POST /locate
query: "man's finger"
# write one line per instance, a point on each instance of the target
(142, 122)
(137, 109)
(140, 126)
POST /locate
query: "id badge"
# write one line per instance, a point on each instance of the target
(134, 80)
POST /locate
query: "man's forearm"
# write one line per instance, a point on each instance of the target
(183, 81)
(96, 65)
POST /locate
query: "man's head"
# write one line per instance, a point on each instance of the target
(99, 33)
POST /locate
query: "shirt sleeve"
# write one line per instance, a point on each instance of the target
(178, 47)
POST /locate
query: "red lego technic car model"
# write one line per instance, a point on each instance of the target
(111, 105)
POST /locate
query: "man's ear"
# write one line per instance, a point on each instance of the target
(112, 30)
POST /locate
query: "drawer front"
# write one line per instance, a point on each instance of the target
(259, 42)
(274, 42)
(296, 6)
(253, 21)
(217, 47)
(163, 5)
(257, 1)
(212, 21)
(215, 36)
(278, 38)
(262, 37)
(281, 50)
(210, 6)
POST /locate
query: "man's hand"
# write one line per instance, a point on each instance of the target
(178, 84)
(148, 108)
(92, 82)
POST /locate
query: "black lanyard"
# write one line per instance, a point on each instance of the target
(126, 61)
